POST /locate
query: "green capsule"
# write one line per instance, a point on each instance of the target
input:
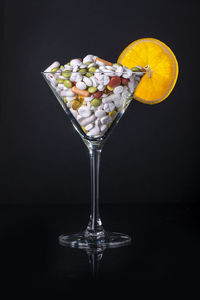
(54, 70)
(88, 63)
(65, 100)
(92, 69)
(66, 74)
(59, 80)
(135, 69)
(92, 89)
(83, 71)
(61, 67)
(88, 74)
(67, 83)
(113, 113)
(95, 102)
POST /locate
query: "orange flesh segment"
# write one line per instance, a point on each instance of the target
(157, 84)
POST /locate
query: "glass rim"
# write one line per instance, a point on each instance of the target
(100, 73)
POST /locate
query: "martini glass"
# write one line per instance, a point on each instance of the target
(94, 236)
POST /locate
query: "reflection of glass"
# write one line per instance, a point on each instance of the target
(94, 256)
(94, 236)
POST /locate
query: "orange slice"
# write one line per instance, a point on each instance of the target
(161, 69)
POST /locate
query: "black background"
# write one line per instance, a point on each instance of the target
(150, 164)
(151, 156)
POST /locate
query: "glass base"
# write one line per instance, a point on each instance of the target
(102, 240)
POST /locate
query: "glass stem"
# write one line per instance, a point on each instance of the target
(95, 227)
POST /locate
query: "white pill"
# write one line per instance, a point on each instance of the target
(119, 102)
(111, 106)
(74, 112)
(100, 81)
(125, 94)
(91, 65)
(106, 80)
(101, 87)
(55, 64)
(98, 122)
(67, 93)
(88, 120)
(62, 77)
(67, 67)
(131, 85)
(79, 118)
(100, 63)
(103, 68)
(75, 69)
(97, 72)
(51, 78)
(88, 58)
(127, 73)
(110, 73)
(125, 89)
(119, 71)
(94, 131)
(57, 74)
(73, 77)
(84, 111)
(118, 90)
(87, 81)
(75, 62)
(100, 113)
(63, 93)
(88, 105)
(106, 108)
(110, 68)
(100, 106)
(82, 66)
(99, 76)
(81, 85)
(88, 99)
(94, 81)
(70, 98)
(89, 126)
(106, 120)
(110, 98)
(103, 128)
(58, 90)
(61, 86)
(78, 77)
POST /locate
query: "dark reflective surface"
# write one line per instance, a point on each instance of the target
(165, 249)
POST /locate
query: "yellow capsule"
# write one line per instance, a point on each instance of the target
(112, 113)
(64, 100)
(109, 88)
(109, 124)
(76, 104)
(84, 129)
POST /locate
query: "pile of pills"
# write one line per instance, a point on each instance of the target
(94, 90)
